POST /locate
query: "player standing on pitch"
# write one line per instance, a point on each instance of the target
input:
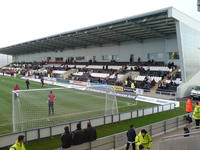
(51, 103)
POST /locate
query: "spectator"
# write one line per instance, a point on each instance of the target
(143, 140)
(91, 133)
(131, 68)
(19, 145)
(131, 134)
(126, 83)
(132, 85)
(66, 138)
(106, 67)
(186, 132)
(153, 83)
(78, 135)
(90, 62)
(148, 71)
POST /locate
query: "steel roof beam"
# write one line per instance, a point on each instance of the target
(104, 39)
(87, 41)
(75, 41)
(147, 28)
(128, 36)
(64, 44)
(121, 34)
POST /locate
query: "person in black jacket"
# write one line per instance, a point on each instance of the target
(66, 138)
(78, 136)
(27, 84)
(186, 132)
(42, 81)
(131, 134)
(91, 133)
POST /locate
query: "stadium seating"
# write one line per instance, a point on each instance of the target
(151, 72)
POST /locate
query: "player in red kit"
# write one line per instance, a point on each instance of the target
(51, 103)
(15, 93)
(16, 88)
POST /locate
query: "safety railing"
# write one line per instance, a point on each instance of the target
(119, 140)
(193, 129)
(34, 134)
(181, 135)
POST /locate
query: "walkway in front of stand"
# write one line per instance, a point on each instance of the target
(156, 140)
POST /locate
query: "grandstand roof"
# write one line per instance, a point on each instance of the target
(156, 24)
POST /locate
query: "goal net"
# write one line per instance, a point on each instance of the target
(31, 107)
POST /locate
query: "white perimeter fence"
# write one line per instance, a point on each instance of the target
(39, 133)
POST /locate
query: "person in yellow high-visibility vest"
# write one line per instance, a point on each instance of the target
(132, 85)
(49, 75)
(196, 114)
(143, 140)
(126, 83)
(19, 145)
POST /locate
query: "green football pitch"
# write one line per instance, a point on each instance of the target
(70, 105)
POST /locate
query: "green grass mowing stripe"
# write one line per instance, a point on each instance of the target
(54, 142)
(70, 101)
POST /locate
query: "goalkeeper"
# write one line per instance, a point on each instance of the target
(51, 103)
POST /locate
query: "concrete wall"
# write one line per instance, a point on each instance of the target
(159, 47)
(188, 40)
(189, 46)
(5, 59)
(184, 89)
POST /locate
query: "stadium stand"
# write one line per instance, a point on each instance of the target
(167, 62)
(112, 73)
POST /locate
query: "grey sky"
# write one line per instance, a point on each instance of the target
(24, 20)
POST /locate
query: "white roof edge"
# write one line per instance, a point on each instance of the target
(184, 18)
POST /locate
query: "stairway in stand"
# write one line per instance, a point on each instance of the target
(154, 89)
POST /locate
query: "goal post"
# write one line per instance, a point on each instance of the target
(30, 108)
(111, 105)
(13, 111)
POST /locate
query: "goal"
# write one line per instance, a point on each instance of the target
(30, 107)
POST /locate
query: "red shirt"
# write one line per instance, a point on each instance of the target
(16, 88)
(51, 97)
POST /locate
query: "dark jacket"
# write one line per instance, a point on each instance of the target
(27, 82)
(78, 137)
(131, 135)
(186, 132)
(66, 140)
(91, 134)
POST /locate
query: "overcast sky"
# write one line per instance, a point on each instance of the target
(25, 20)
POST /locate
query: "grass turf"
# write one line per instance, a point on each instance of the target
(54, 142)
(76, 106)
(6, 86)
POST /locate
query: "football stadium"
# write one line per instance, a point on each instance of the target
(131, 82)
